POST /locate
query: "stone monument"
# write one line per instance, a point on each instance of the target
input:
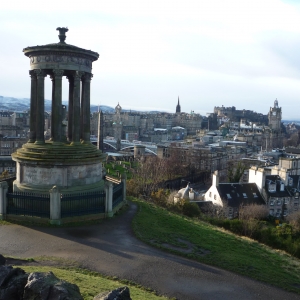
(68, 159)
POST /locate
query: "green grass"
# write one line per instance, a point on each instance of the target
(214, 246)
(92, 283)
(118, 167)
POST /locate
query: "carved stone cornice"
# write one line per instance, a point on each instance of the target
(61, 58)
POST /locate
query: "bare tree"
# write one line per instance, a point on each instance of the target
(250, 215)
(294, 220)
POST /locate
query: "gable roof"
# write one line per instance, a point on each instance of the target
(236, 194)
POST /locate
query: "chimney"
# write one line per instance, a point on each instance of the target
(215, 179)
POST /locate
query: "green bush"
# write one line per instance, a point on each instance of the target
(190, 209)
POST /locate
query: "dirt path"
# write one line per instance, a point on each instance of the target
(111, 248)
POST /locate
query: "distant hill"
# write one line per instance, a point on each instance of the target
(23, 104)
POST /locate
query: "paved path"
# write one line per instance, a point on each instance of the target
(111, 248)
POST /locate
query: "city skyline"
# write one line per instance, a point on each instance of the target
(209, 53)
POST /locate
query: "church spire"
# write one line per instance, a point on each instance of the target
(178, 109)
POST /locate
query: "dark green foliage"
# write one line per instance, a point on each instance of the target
(235, 171)
(190, 209)
(282, 237)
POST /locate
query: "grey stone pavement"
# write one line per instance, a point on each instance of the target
(111, 249)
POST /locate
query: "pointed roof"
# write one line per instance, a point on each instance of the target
(178, 108)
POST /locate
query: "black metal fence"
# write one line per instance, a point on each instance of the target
(82, 204)
(117, 194)
(38, 205)
(28, 204)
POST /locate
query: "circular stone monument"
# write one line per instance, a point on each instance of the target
(68, 159)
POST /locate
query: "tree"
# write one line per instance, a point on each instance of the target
(149, 174)
(250, 216)
(294, 220)
(235, 170)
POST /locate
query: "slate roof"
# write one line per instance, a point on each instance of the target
(277, 193)
(237, 194)
(293, 186)
(292, 150)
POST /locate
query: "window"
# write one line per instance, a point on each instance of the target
(271, 212)
(278, 202)
(228, 196)
(209, 194)
(244, 195)
(255, 195)
(286, 201)
(215, 197)
(271, 202)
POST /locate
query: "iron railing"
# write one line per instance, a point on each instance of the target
(117, 194)
(28, 204)
(82, 204)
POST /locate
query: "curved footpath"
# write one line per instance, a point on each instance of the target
(112, 249)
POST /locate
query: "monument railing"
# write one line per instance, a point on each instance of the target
(28, 204)
(56, 207)
(82, 204)
(117, 194)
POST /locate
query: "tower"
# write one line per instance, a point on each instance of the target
(178, 108)
(274, 136)
(117, 124)
(274, 117)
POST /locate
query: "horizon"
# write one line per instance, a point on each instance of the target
(238, 53)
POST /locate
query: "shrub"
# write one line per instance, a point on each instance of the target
(190, 209)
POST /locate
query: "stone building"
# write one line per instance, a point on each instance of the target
(143, 126)
(279, 187)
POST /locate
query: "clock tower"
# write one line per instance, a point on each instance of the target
(274, 117)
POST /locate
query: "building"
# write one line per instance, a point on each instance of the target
(279, 188)
(143, 126)
(229, 197)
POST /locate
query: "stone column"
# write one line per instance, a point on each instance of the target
(124, 188)
(32, 121)
(56, 115)
(85, 108)
(70, 109)
(100, 131)
(55, 206)
(109, 199)
(40, 107)
(3, 199)
(76, 108)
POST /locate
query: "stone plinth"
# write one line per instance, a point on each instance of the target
(72, 168)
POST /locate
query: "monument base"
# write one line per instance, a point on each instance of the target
(72, 168)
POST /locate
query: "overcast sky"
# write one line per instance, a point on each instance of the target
(208, 52)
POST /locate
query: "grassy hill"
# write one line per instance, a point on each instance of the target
(214, 246)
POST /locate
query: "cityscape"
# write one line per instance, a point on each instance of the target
(150, 150)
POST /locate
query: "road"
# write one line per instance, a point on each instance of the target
(112, 249)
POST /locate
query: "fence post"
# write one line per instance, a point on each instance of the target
(124, 188)
(55, 206)
(109, 199)
(3, 199)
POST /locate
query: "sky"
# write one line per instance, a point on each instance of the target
(206, 52)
